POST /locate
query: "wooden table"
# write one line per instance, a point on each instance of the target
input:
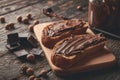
(9, 63)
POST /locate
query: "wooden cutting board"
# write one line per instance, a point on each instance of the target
(102, 60)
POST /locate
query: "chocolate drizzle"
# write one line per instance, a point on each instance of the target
(77, 44)
(58, 28)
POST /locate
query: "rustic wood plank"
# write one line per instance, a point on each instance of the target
(9, 63)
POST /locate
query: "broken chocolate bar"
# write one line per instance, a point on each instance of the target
(13, 39)
(36, 51)
(13, 42)
(21, 53)
(32, 41)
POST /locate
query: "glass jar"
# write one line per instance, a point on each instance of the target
(104, 14)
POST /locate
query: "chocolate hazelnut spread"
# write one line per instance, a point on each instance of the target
(58, 28)
(77, 44)
(104, 14)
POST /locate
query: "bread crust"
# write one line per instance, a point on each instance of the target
(65, 62)
(49, 41)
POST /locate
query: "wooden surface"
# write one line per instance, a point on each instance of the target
(103, 59)
(9, 63)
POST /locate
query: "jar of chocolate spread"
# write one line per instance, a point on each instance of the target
(104, 14)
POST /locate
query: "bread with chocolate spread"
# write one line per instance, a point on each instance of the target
(57, 31)
(72, 50)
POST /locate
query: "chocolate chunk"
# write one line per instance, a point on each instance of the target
(21, 53)
(13, 48)
(32, 41)
(36, 51)
(13, 39)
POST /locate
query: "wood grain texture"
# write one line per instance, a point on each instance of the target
(103, 58)
(10, 9)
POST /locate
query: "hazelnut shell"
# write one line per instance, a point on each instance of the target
(19, 18)
(30, 57)
(30, 71)
(36, 22)
(2, 19)
(26, 21)
(32, 77)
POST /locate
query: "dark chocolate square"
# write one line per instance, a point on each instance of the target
(13, 39)
(21, 53)
(32, 41)
(36, 51)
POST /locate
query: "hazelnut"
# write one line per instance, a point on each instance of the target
(2, 19)
(43, 72)
(79, 7)
(35, 22)
(37, 79)
(32, 77)
(23, 68)
(19, 18)
(29, 16)
(9, 26)
(30, 71)
(31, 57)
(30, 27)
(26, 21)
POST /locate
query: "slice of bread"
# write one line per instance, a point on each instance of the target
(57, 31)
(74, 49)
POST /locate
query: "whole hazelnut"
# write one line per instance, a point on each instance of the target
(43, 72)
(30, 71)
(32, 77)
(9, 26)
(2, 19)
(23, 69)
(31, 57)
(30, 28)
(37, 79)
(19, 18)
(29, 16)
(79, 8)
(35, 22)
(25, 21)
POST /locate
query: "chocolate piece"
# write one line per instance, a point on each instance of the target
(32, 41)
(36, 52)
(23, 40)
(13, 42)
(13, 48)
(13, 39)
(71, 46)
(21, 53)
